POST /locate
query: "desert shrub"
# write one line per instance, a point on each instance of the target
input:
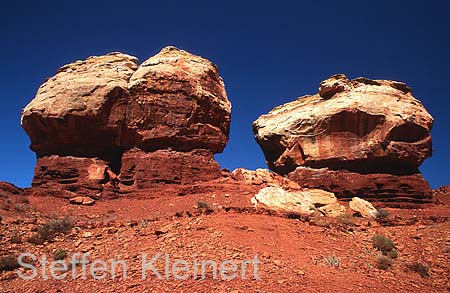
(15, 238)
(346, 219)
(24, 200)
(202, 205)
(49, 230)
(332, 260)
(383, 262)
(19, 207)
(321, 221)
(383, 244)
(8, 263)
(293, 215)
(35, 239)
(392, 253)
(423, 270)
(60, 254)
(144, 224)
(382, 214)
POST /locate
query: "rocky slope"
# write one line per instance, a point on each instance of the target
(356, 137)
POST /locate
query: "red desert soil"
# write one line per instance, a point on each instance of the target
(292, 250)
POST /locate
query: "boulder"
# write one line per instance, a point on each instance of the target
(333, 210)
(302, 201)
(178, 100)
(82, 200)
(276, 198)
(361, 126)
(363, 207)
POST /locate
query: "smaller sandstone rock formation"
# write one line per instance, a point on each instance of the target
(302, 201)
(363, 207)
(356, 137)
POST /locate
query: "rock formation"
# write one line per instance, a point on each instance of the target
(358, 137)
(107, 123)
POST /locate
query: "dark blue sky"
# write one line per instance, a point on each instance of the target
(267, 53)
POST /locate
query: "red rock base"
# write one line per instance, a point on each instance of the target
(142, 170)
(392, 190)
(70, 173)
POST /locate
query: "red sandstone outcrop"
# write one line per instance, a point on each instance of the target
(142, 170)
(356, 137)
(106, 123)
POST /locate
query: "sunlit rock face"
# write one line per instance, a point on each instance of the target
(361, 126)
(107, 111)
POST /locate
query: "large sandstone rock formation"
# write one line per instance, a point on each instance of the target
(187, 101)
(106, 121)
(358, 137)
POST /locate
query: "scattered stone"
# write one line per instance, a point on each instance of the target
(82, 200)
(363, 207)
(333, 210)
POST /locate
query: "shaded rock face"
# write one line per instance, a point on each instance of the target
(108, 112)
(372, 128)
(71, 173)
(382, 187)
(149, 169)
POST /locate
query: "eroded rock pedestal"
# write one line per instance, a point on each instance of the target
(107, 124)
(358, 137)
